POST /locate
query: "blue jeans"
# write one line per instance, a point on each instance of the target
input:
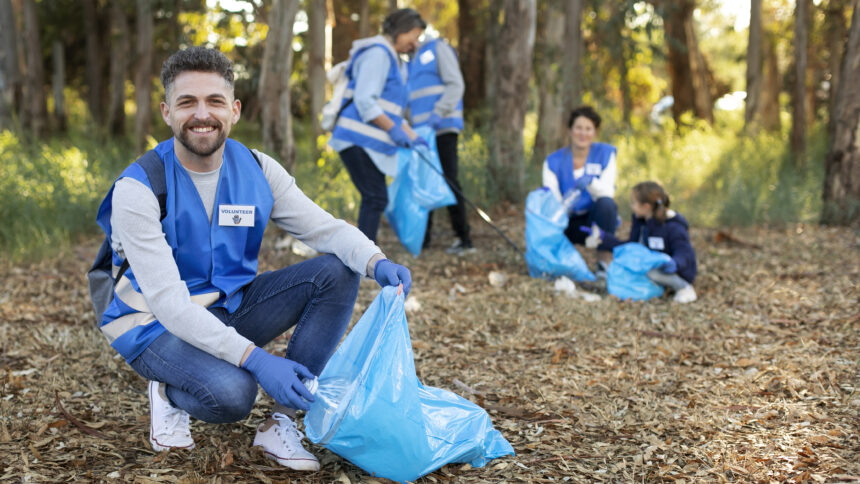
(672, 281)
(316, 296)
(370, 183)
(604, 213)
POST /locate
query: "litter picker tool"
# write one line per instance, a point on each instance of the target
(480, 212)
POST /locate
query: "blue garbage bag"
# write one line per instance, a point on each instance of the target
(417, 189)
(549, 253)
(371, 409)
(627, 275)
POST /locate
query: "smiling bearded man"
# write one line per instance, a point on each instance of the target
(189, 312)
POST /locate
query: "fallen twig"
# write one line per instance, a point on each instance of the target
(77, 423)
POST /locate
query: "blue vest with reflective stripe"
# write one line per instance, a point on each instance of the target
(214, 261)
(350, 127)
(560, 162)
(426, 87)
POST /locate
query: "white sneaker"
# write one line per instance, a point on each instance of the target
(685, 295)
(168, 425)
(461, 247)
(282, 442)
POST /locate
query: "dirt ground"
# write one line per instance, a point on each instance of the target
(757, 381)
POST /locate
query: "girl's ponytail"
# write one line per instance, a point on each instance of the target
(653, 194)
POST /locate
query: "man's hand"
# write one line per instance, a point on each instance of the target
(388, 273)
(281, 378)
(399, 137)
(434, 120)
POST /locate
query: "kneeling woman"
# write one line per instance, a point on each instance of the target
(582, 177)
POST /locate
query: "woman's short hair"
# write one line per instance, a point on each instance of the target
(402, 21)
(586, 111)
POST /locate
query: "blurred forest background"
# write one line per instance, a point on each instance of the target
(746, 110)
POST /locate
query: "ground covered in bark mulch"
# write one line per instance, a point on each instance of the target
(758, 381)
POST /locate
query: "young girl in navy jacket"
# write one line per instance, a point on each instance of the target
(659, 228)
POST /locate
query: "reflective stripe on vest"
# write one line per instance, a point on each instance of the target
(426, 88)
(349, 126)
(560, 162)
(214, 261)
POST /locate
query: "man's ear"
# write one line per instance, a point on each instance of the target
(165, 112)
(237, 110)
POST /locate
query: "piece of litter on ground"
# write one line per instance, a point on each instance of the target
(412, 304)
(302, 249)
(284, 242)
(497, 278)
(565, 285)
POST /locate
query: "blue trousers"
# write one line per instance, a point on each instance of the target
(604, 213)
(370, 183)
(316, 297)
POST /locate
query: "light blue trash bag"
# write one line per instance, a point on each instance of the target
(417, 189)
(371, 409)
(549, 253)
(627, 275)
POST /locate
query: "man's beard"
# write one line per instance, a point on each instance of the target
(202, 148)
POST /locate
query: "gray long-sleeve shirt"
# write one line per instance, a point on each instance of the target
(449, 72)
(137, 235)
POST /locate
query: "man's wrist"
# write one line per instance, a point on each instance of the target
(246, 354)
(371, 264)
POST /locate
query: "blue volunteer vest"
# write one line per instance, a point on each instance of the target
(215, 261)
(426, 87)
(560, 163)
(351, 128)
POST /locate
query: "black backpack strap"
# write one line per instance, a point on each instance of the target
(154, 169)
(256, 158)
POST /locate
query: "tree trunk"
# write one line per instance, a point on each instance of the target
(58, 83)
(572, 67)
(471, 47)
(36, 110)
(118, 67)
(316, 62)
(143, 75)
(687, 70)
(619, 52)
(274, 90)
(345, 29)
(842, 179)
(549, 58)
(392, 5)
(754, 66)
(95, 92)
(770, 109)
(364, 19)
(798, 118)
(511, 81)
(10, 72)
(836, 34)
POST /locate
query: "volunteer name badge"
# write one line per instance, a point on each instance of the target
(236, 215)
(426, 57)
(656, 243)
(592, 169)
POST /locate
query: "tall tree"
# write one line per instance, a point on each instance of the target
(549, 58)
(571, 68)
(119, 40)
(842, 179)
(10, 72)
(798, 98)
(770, 108)
(754, 65)
(274, 90)
(316, 61)
(345, 29)
(143, 75)
(511, 73)
(58, 84)
(364, 19)
(471, 47)
(688, 70)
(94, 63)
(35, 113)
(836, 34)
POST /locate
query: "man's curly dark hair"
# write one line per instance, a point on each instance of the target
(197, 58)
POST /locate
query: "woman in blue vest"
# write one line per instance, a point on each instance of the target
(436, 99)
(582, 176)
(370, 127)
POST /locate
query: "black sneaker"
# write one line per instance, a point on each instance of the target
(461, 247)
(600, 271)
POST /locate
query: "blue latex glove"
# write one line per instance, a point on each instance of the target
(399, 137)
(388, 273)
(419, 141)
(595, 235)
(669, 267)
(582, 182)
(434, 120)
(281, 378)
